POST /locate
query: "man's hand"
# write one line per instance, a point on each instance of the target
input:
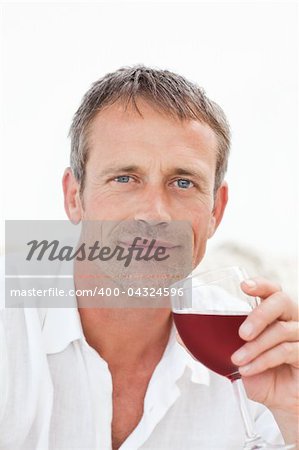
(269, 361)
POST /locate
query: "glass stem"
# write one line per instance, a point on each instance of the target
(242, 400)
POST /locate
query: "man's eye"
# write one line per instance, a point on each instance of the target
(184, 184)
(122, 179)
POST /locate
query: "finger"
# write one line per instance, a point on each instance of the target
(274, 335)
(260, 287)
(276, 307)
(284, 353)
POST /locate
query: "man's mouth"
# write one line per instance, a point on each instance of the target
(144, 242)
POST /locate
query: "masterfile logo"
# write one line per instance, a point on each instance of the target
(100, 263)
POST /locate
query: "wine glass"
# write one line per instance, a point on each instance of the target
(208, 309)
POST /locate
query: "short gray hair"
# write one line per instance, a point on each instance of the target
(168, 91)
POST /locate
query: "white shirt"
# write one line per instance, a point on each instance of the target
(56, 393)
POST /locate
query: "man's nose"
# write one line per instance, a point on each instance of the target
(153, 207)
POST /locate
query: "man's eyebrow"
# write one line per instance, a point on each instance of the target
(120, 169)
(196, 173)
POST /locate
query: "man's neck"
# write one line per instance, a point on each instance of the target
(127, 338)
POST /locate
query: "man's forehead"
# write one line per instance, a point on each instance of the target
(117, 124)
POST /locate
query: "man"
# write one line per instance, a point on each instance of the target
(148, 147)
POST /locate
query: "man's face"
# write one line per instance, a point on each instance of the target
(149, 169)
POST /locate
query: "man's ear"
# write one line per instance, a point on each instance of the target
(220, 202)
(72, 201)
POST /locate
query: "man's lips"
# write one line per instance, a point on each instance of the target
(148, 242)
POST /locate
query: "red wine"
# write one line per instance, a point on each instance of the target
(211, 339)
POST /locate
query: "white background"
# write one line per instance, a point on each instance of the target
(242, 53)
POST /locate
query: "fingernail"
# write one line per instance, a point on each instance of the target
(246, 329)
(243, 370)
(250, 283)
(239, 355)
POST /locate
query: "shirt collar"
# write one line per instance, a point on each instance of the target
(61, 326)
